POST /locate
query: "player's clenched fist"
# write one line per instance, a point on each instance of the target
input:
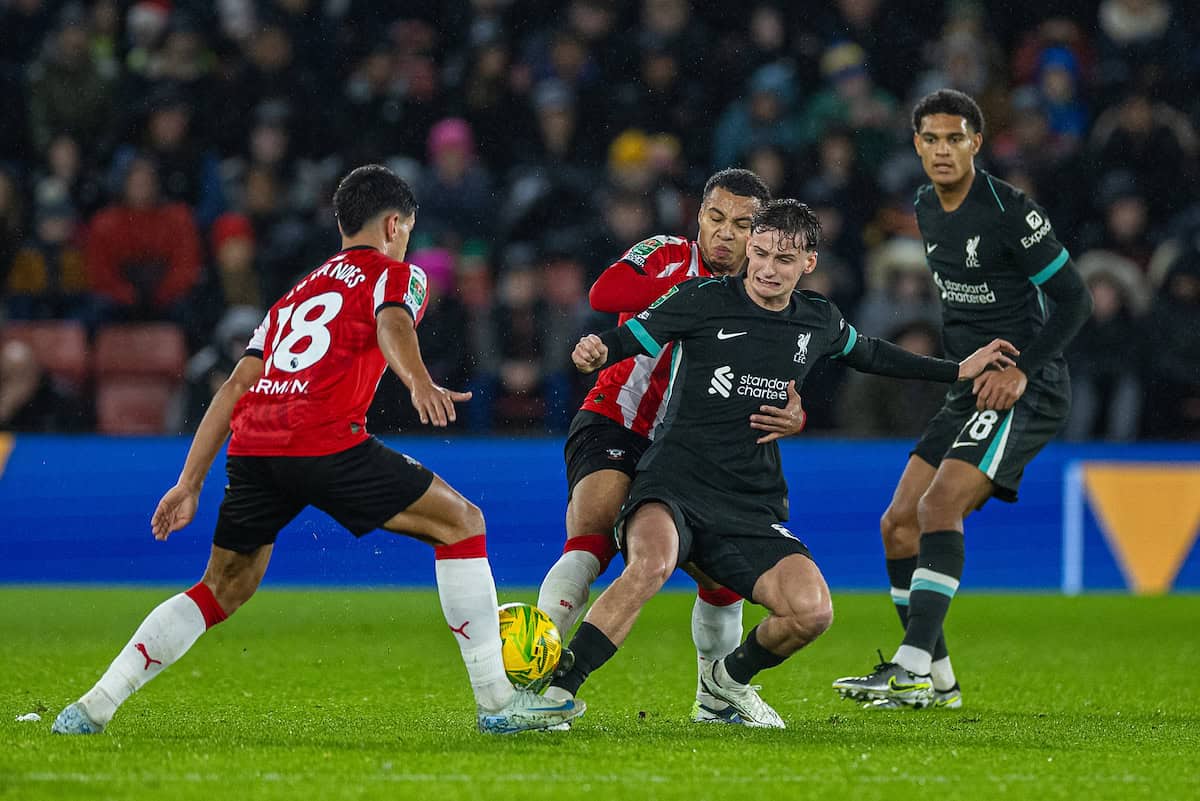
(590, 354)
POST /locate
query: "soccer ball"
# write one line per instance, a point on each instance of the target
(529, 642)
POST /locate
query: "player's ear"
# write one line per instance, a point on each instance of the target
(976, 144)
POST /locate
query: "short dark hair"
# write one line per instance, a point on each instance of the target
(737, 181)
(948, 101)
(367, 191)
(792, 219)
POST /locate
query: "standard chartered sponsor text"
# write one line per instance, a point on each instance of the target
(964, 293)
(762, 387)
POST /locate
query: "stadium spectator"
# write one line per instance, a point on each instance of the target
(1058, 82)
(63, 166)
(661, 98)
(374, 119)
(500, 117)
(1151, 140)
(1171, 353)
(67, 93)
(877, 406)
(46, 279)
(23, 27)
(233, 253)
(32, 401)
(853, 101)
(12, 219)
(767, 116)
(520, 395)
(143, 254)
(214, 363)
(1106, 395)
(901, 291)
(457, 197)
(188, 171)
(1124, 219)
(626, 217)
(1138, 44)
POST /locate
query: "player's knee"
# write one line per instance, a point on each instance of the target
(899, 529)
(465, 520)
(810, 618)
(649, 572)
(472, 519)
(935, 511)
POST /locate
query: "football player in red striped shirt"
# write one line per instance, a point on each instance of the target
(296, 405)
(616, 423)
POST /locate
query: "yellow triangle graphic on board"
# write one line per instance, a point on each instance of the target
(1150, 515)
(6, 445)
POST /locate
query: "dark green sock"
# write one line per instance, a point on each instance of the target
(591, 648)
(934, 582)
(900, 575)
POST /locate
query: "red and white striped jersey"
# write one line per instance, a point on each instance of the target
(633, 392)
(321, 359)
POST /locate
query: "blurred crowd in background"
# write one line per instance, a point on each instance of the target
(166, 169)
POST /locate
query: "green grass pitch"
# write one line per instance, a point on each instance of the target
(346, 695)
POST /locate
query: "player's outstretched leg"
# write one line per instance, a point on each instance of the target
(165, 635)
(716, 631)
(591, 513)
(652, 549)
(467, 593)
(796, 594)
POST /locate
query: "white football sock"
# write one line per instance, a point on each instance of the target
(716, 631)
(943, 674)
(564, 592)
(468, 595)
(165, 635)
(913, 659)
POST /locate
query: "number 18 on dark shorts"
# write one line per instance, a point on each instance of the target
(999, 443)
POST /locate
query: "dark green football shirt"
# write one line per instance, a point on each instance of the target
(731, 357)
(989, 257)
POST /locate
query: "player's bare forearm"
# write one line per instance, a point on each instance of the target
(214, 427)
(397, 335)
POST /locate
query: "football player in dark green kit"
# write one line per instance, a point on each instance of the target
(1001, 272)
(710, 490)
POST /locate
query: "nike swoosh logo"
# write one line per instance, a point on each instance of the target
(962, 445)
(722, 335)
(930, 248)
(904, 688)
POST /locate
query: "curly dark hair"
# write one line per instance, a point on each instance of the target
(948, 101)
(792, 220)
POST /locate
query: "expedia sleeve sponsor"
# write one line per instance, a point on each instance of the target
(1029, 225)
